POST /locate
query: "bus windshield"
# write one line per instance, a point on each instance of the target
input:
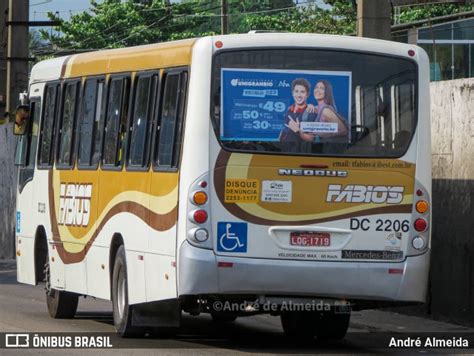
(314, 102)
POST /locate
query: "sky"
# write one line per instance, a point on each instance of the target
(40, 8)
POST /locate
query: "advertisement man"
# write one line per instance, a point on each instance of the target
(300, 90)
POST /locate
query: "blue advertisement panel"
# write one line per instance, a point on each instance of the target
(285, 105)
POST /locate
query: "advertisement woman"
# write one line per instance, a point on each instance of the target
(325, 111)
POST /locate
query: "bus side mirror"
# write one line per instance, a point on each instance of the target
(22, 116)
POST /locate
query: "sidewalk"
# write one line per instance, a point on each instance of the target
(387, 321)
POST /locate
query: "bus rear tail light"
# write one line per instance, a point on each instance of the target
(201, 235)
(419, 243)
(420, 225)
(200, 198)
(225, 264)
(419, 233)
(200, 216)
(198, 210)
(421, 206)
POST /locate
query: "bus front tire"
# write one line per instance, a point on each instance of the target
(61, 304)
(122, 311)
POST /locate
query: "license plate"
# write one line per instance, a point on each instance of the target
(309, 238)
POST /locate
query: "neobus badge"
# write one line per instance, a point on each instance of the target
(364, 194)
(311, 172)
(75, 204)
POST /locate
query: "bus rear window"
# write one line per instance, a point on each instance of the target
(321, 102)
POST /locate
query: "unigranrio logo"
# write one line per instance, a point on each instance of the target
(353, 193)
(74, 204)
(311, 172)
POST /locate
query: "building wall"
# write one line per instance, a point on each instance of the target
(7, 191)
(452, 261)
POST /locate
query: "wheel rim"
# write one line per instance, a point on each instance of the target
(121, 294)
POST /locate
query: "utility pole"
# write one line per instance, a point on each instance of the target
(224, 18)
(3, 55)
(374, 19)
(17, 52)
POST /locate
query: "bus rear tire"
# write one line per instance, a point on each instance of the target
(61, 304)
(299, 325)
(333, 326)
(122, 311)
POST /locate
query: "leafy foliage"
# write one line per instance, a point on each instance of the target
(416, 13)
(121, 23)
(117, 23)
(113, 24)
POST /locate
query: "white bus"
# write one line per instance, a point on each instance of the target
(229, 175)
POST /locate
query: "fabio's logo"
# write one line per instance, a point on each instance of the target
(75, 204)
(364, 194)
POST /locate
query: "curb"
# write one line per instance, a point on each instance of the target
(7, 264)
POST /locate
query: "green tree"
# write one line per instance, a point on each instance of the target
(339, 18)
(416, 13)
(120, 23)
(116, 23)
(35, 41)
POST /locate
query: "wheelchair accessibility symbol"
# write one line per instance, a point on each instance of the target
(232, 237)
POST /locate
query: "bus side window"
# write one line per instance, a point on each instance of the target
(403, 110)
(139, 151)
(85, 122)
(36, 110)
(168, 146)
(25, 153)
(99, 123)
(67, 125)
(47, 126)
(21, 150)
(115, 125)
(22, 143)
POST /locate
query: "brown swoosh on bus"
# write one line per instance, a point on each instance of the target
(160, 222)
(234, 209)
(64, 67)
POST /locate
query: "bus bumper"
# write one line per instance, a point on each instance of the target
(202, 272)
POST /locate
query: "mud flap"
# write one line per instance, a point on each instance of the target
(162, 314)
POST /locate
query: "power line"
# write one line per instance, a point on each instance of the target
(90, 40)
(60, 11)
(184, 16)
(41, 3)
(134, 34)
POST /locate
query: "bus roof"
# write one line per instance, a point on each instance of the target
(178, 53)
(160, 55)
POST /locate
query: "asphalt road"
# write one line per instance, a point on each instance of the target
(23, 309)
